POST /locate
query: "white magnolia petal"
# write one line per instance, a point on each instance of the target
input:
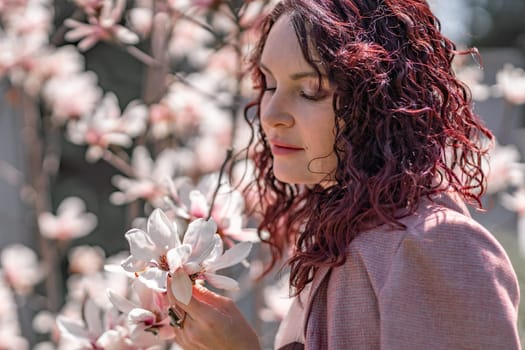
(121, 303)
(181, 286)
(139, 315)
(154, 278)
(178, 256)
(221, 282)
(162, 231)
(199, 207)
(131, 264)
(218, 249)
(200, 235)
(71, 329)
(140, 245)
(232, 256)
(111, 339)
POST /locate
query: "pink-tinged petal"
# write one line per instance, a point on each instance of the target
(232, 256)
(200, 235)
(88, 42)
(178, 256)
(71, 207)
(221, 282)
(181, 286)
(162, 231)
(71, 329)
(138, 316)
(199, 205)
(140, 245)
(93, 317)
(122, 304)
(154, 278)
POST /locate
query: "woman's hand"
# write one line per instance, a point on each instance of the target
(212, 322)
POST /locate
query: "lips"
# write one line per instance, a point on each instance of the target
(282, 148)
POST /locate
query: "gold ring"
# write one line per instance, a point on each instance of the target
(175, 319)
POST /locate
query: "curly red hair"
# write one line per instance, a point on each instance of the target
(404, 127)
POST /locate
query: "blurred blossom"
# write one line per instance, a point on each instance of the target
(473, 77)
(91, 7)
(49, 63)
(72, 221)
(516, 203)
(102, 26)
(510, 84)
(148, 319)
(277, 299)
(192, 203)
(190, 40)
(70, 97)
(16, 55)
(98, 330)
(150, 180)
(86, 259)
(503, 168)
(34, 20)
(10, 337)
(107, 126)
(21, 268)
(159, 253)
(140, 19)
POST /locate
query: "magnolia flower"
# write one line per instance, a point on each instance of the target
(159, 253)
(191, 203)
(150, 176)
(103, 26)
(503, 168)
(510, 83)
(21, 268)
(49, 63)
(150, 314)
(86, 259)
(35, 20)
(71, 221)
(99, 330)
(71, 96)
(107, 126)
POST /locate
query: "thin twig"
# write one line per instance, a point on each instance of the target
(118, 163)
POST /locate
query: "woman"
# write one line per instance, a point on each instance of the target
(368, 149)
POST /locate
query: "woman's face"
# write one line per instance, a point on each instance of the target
(296, 114)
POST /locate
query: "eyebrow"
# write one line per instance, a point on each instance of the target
(296, 76)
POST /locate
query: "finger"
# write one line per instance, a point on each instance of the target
(202, 299)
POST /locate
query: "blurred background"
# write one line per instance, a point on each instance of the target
(100, 101)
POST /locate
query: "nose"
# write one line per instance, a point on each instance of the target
(275, 111)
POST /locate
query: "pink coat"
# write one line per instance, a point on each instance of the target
(443, 283)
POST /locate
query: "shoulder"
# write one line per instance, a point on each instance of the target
(439, 236)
